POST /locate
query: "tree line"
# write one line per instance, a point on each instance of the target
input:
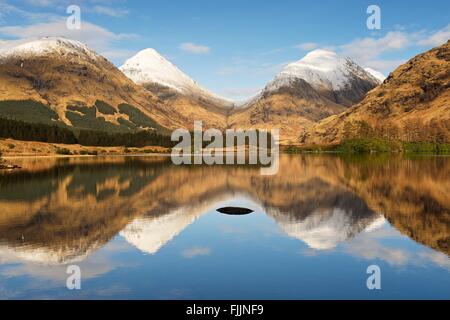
(20, 130)
(411, 131)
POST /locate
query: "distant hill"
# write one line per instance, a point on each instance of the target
(60, 82)
(58, 90)
(412, 105)
(318, 86)
(161, 77)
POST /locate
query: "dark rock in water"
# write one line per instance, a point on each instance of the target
(235, 211)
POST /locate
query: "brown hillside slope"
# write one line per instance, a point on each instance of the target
(288, 108)
(413, 104)
(69, 74)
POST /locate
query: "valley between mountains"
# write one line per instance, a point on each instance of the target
(56, 90)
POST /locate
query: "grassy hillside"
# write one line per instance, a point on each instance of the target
(374, 145)
(33, 121)
(412, 105)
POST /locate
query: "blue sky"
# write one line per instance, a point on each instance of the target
(235, 47)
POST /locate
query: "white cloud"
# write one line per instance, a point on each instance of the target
(42, 3)
(109, 11)
(270, 52)
(7, 44)
(96, 37)
(102, 7)
(437, 258)
(120, 54)
(64, 3)
(369, 51)
(99, 39)
(240, 93)
(250, 66)
(196, 251)
(7, 9)
(194, 48)
(369, 48)
(384, 65)
(437, 38)
(228, 70)
(307, 46)
(370, 246)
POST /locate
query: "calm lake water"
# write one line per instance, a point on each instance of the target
(141, 228)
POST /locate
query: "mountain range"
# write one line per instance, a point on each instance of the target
(66, 79)
(56, 81)
(63, 82)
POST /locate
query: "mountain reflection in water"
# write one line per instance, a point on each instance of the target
(60, 211)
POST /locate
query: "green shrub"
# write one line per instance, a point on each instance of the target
(308, 149)
(63, 151)
(368, 145)
(426, 147)
(89, 152)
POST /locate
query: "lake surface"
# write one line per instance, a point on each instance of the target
(141, 228)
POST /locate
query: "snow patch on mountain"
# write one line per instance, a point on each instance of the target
(321, 231)
(150, 234)
(43, 255)
(377, 74)
(150, 67)
(322, 69)
(376, 224)
(325, 230)
(46, 46)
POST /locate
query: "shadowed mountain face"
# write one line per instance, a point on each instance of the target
(59, 211)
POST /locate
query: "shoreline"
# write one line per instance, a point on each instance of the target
(167, 155)
(15, 149)
(85, 156)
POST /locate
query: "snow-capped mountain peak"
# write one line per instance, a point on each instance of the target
(377, 74)
(326, 229)
(48, 45)
(322, 69)
(150, 67)
(320, 60)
